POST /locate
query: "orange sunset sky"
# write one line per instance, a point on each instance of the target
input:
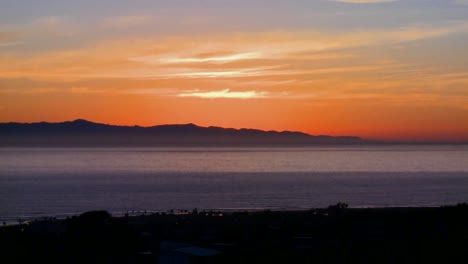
(394, 70)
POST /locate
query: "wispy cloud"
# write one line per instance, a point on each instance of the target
(8, 39)
(234, 73)
(9, 44)
(226, 93)
(209, 59)
(87, 90)
(41, 90)
(244, 55)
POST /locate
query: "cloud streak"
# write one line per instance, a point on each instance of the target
(212, 59)
(226, 93)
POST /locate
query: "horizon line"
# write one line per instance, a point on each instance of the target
(364, 139)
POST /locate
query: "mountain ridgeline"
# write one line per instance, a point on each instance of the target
(84, 133)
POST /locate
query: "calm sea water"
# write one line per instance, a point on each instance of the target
(37, 182)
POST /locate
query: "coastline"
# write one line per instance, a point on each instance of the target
(27, 219)
(330, 235)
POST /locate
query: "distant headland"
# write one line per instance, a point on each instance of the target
(81, 132)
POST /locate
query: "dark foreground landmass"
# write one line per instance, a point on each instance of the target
(333, 235)
(83, 133)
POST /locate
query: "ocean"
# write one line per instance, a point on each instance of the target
(40, 182)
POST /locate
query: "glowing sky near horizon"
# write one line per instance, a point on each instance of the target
(378, 69)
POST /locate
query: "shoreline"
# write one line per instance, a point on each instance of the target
(14, 220)
(335, 234)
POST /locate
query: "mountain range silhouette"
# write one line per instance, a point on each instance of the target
(81, 132)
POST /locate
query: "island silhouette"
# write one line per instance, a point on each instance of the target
(81, 132)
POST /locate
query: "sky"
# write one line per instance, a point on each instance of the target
(379, 69)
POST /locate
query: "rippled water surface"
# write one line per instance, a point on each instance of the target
(37, 181)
